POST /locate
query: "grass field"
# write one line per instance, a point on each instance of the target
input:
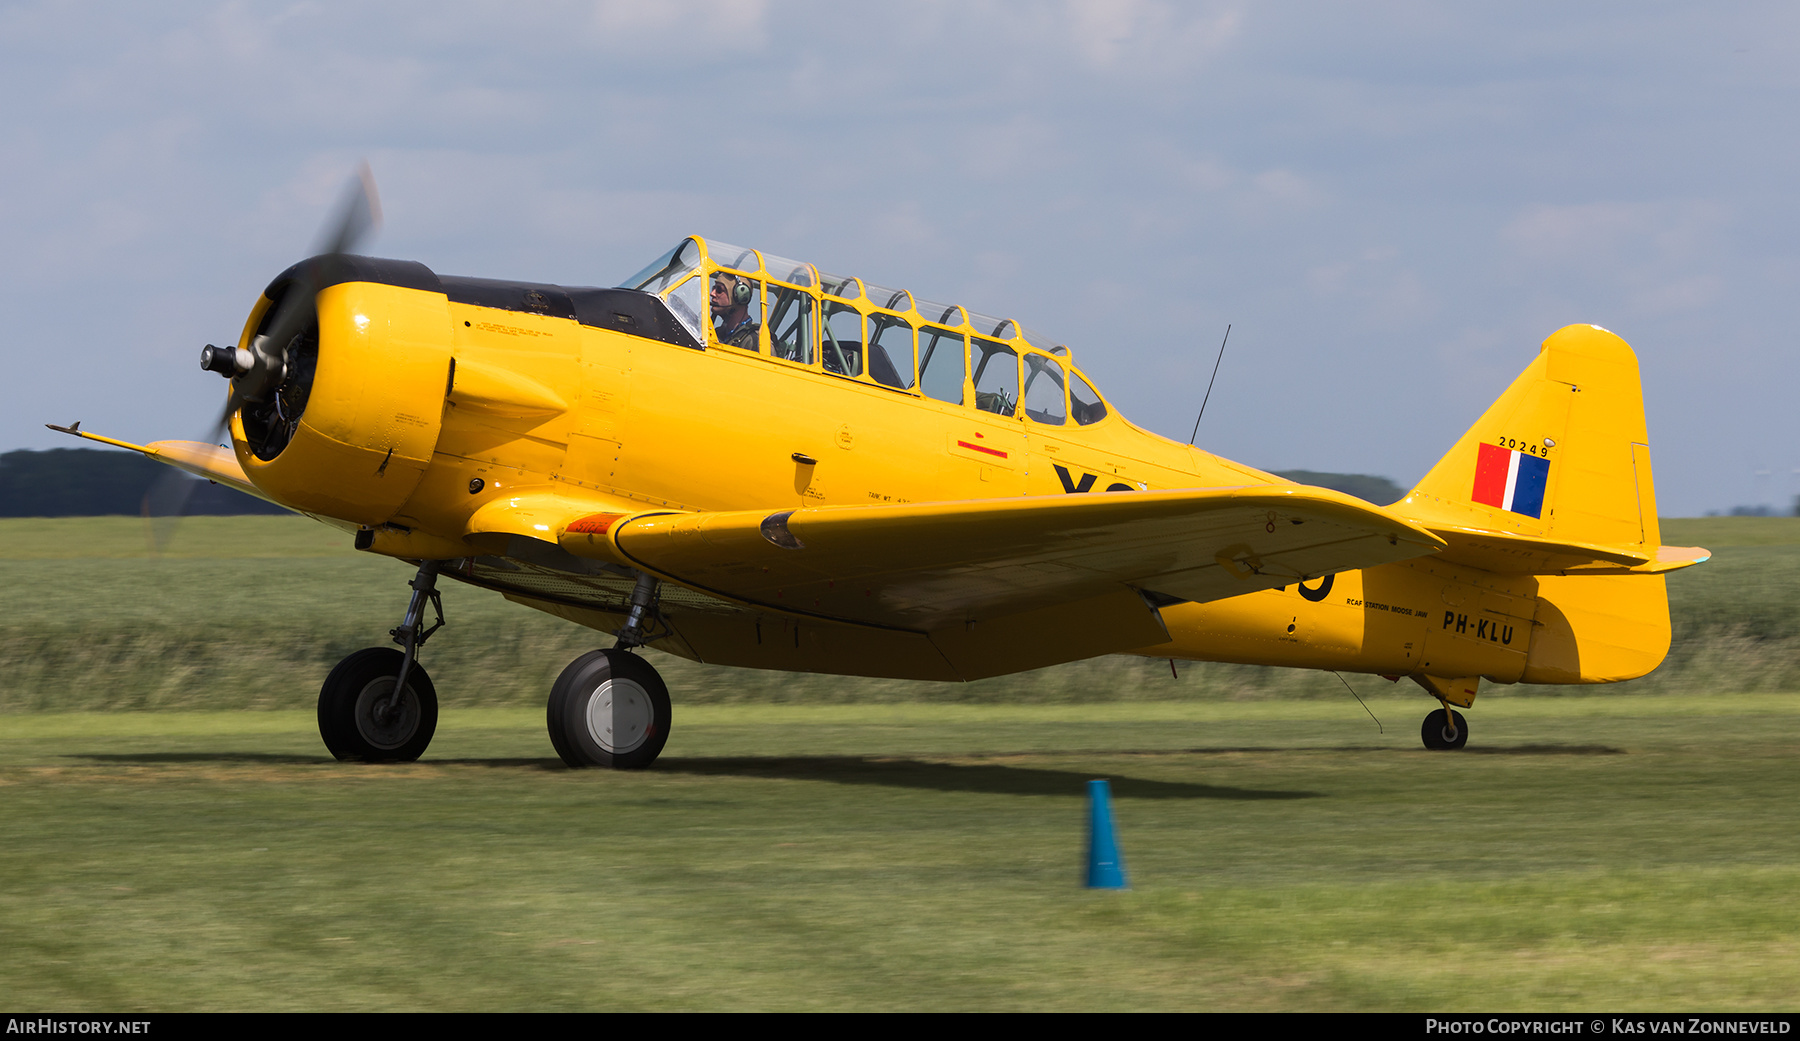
(251, 612)
(1634, 853)
(909, 846)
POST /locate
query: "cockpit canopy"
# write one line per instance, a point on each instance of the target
(730, 296)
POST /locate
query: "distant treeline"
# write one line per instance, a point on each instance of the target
(1761, 510)
(1378, 490)
(92, 482)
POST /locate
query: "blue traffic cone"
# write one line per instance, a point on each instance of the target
(1106, 868)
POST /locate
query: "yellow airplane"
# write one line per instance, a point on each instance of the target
(742, 460)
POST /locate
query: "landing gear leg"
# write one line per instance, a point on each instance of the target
(1444, 729)
(643, 609)
(378, 705)
(411, 634)
(610, 708)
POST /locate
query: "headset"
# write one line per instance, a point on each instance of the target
(740, 289)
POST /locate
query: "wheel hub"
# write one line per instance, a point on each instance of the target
(620, 716)
(384, 721)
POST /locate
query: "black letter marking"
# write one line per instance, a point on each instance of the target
(1087, 481)
(1316, 595)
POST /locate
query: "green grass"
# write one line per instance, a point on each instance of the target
(251, 612)
(815, 843)
(1725, 532)
(194, 538)
(1590, 852)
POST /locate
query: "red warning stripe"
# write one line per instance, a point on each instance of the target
(981, 448)
(595, 523)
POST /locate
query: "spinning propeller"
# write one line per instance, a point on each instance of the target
(259, 372)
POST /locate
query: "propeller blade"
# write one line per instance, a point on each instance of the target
(292, 315)
(232, 404)
(358, 214)
(165, 503)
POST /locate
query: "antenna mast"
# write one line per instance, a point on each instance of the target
(1209, 384)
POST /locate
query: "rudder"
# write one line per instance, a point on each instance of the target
(1563, 454)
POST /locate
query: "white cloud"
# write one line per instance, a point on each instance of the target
(707, 27)
(1385, 293)
(1573, 233)
(1149, 36)
(1564, 234)
(1281, 191)
(1654, 257)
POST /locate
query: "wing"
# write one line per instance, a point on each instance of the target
(922, 567)
(213, 462)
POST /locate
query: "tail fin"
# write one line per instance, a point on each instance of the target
(1556, 473)
(1554, 481)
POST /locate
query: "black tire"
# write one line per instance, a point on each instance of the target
(346, 703)
(1440, 734)
(609, 708)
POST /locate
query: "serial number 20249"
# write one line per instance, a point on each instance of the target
(1523, 446)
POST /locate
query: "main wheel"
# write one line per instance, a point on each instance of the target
(1439, 732)
(358, 717)
(609, 708)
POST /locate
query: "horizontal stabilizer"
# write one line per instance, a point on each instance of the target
(1507, 551)
(1512, 553)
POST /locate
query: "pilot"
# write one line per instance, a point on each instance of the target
(731, 298)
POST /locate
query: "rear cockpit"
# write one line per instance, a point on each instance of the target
(787, 310)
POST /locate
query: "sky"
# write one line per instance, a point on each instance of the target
(1391, 203)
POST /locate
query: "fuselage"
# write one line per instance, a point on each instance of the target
(433, 402)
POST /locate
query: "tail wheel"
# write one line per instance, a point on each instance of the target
(609, 708)
(1443, 730)
(359, 717)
